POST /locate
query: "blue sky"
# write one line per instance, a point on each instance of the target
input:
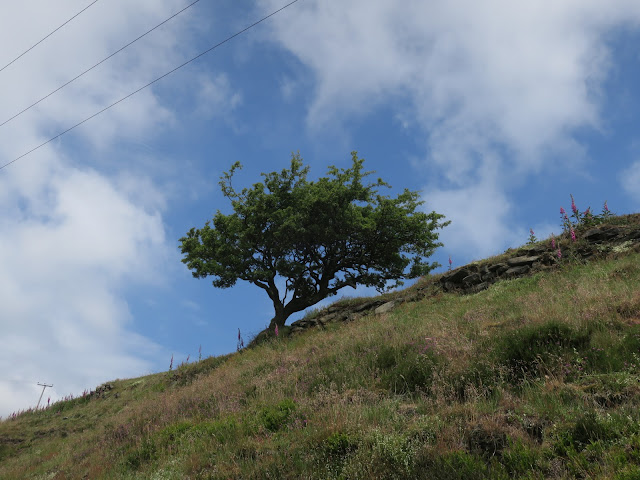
(496, 112)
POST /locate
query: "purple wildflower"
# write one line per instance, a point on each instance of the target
(573, 235)
(559, 253)
(574, 209)
(553, 242)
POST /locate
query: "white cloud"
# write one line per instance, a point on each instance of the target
(73, 239)
(479, 218)
(484, 80)
(630, 180)
(63, 272)
(216, 97)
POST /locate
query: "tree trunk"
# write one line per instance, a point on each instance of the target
(278, 320)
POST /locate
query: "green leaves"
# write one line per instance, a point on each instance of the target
(320, 236)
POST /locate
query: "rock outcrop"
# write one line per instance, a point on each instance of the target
(596, 242)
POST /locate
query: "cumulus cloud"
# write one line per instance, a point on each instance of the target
(483, 80)
(74, 238)
(630, 180)
(216, 97)
(63, 270)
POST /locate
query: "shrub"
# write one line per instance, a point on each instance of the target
(526, 351)
(405, 368)
(273, 418)
(340, 444)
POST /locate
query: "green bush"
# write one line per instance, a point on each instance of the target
(528, 350)
(340, 444)
(587, 429)
(404, 368)
(273, 418)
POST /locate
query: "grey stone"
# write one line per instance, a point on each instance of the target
(536, 250)
(519, 270)
(366, 306)
(385, 308)
(499, 267)
(471, 279)
(479, 287)
(456, 276)
(448, 286)
(517, 261)
(599, 234)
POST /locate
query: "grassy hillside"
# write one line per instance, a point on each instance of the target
(537, 377)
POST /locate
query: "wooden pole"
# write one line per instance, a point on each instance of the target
(44, 386)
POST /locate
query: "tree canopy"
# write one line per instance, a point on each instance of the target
(316, 236)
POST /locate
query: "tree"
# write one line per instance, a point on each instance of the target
(318, 237)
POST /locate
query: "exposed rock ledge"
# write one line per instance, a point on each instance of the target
(597, 242)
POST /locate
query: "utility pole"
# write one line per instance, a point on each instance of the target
(44, 386)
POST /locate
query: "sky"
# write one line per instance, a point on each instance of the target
(495, 111)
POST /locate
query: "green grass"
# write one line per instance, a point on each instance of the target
(533, 378)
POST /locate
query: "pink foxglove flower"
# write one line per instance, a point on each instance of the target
(606, 208)
(573, 235)
(562, 211)
(553, 242)
(559, 254)
(450, 262)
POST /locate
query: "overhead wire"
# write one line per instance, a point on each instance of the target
(43, 39)
(149, 84)
(99, 63)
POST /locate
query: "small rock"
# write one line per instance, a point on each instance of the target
(499, 267)
(479, 287)
(537, 250)
(599, 234)
(471, 279)
(517, 261)
(366, 306)
(456, 276)
(384, 308)
(520, 270)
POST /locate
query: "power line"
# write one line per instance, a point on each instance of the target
(149, 84)
(43, 39)
(99, 63)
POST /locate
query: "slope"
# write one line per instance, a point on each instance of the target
(531, 377)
